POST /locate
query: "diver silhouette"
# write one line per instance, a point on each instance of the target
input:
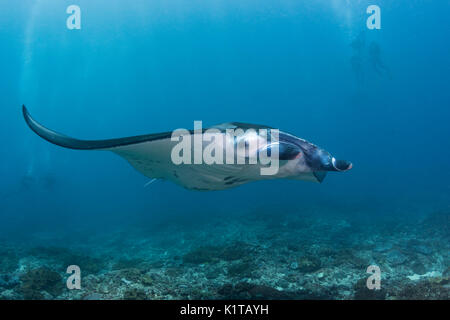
(359, 43)
(357, 60)
(375, 60)
(366, 58)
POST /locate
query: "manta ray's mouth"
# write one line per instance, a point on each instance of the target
(341, 165)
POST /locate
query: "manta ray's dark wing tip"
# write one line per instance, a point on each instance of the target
(32, 124)
(27, 117)
(53, 136)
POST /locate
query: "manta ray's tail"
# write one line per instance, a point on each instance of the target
(72, 143)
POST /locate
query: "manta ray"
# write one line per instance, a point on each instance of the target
(151, 155)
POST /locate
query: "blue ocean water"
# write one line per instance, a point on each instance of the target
(378, 98)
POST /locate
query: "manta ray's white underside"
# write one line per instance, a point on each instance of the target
(153, 159)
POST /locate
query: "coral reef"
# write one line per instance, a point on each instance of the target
(289, 256)
(35, 284)
(363, 293)
(308, 264)
(134, 294)
(433, 289)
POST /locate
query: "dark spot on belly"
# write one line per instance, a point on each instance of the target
(235, 181)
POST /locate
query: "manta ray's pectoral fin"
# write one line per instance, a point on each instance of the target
(149, 154)
(72, 143)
